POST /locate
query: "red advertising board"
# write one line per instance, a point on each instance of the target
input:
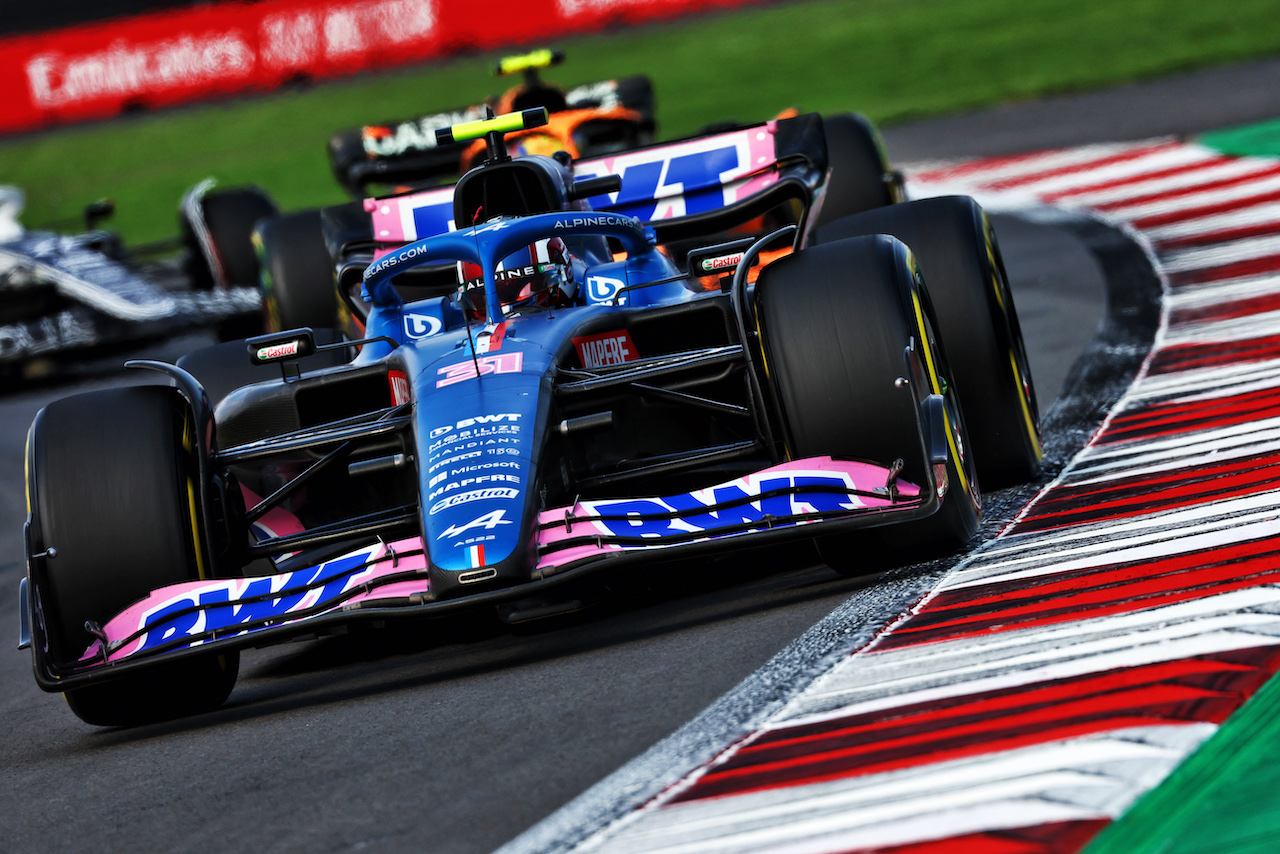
(167, 58)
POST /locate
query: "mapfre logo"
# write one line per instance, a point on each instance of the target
(607, 348)
(399, 382)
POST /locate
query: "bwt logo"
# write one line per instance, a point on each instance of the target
(682, 183)
(421, 326)
(705, 511)
(602, 289)
(237, 602)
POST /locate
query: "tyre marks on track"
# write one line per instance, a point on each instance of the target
(1067, 667)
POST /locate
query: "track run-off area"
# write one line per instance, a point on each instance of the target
(1074, 663)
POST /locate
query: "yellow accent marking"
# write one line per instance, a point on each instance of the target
(536, 59)
(952, 445)
(507, 123)
(989, 236)
(1026, 410)
(26, 470)
(195, 529)
(189, 445)
(765, 361)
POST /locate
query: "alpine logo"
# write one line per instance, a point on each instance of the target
(488, 521)
(607, 348)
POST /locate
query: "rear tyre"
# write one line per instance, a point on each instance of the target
(835, 321)
(220, 251)
(957, 251)
(221, 254)
(861, 178)
(111, 488)
(296, 274)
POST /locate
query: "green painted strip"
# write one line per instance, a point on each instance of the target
(1225, 798)
(1260, 140)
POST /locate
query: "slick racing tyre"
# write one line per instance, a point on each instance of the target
(111, 488)
(296, 275)
(219, 249)
(958, 255)
(835, 321)
(861, 178)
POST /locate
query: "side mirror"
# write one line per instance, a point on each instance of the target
(281, 346)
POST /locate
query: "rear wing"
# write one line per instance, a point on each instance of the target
(689, 188)
(406, 152)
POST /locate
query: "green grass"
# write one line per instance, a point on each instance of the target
(890, 59)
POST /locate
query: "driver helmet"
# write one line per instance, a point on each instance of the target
(540, 275)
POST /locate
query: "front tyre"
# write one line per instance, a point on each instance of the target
(835, 323)
(112, 487)
(960, 259)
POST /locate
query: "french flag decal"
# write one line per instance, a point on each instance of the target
(477, 556)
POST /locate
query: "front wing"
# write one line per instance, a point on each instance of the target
(389, 580)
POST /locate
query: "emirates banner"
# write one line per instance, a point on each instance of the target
(162, 59)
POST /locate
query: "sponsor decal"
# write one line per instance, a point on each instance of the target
(333, 578)
(277, 351)
(476, 555)
(71, 328)
(497, 464)
(501, 363)
(471, 439)
(607, 348)
(218, 48)
(399, 382)
(497, 492)
(601, 96)
(395, 259)
(488, 522)
(644, 517)
(686, 178)
(596, 221)
(602, 289)
(417, 135)
(456, 458)
(472, 481)
(466, 423)
(417, 326)
(722, 262)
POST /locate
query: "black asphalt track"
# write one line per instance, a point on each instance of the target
(458, 737)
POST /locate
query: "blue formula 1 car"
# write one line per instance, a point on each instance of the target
(541, 396)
